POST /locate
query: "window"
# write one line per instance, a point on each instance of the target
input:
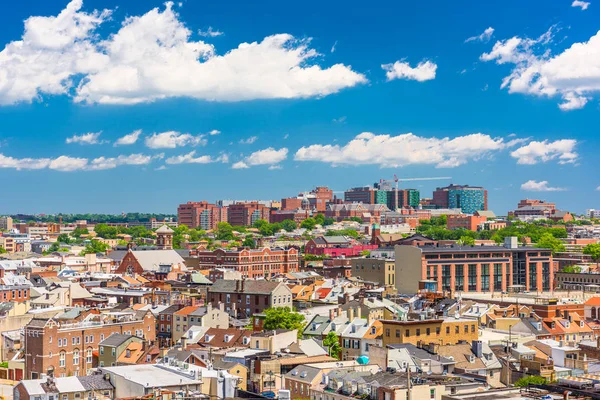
(457, 329)
(397, 333)
(76, 357)
(447, 330)
(472, 328)
(466, 328)
(89, 356)
(61, 359)
(418, 332)
(228, 298)
(101, 349)
(407, 333)
(387, 332)
(114, 351)
(437, 330)
(428, 331)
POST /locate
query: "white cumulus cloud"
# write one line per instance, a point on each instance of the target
(573, 74)
(190, 158)
(269, 156)
(153, 57)
(541, 186)
(101, 163)
(129, 139)
(581, 4)
(52, 51)
(69, 164)
(214, 132)
(173, 139)
(483, 37)
(86, 138)
(249, 140)
(210, 32)
(406, 149)
(535, 152)
(424, 71)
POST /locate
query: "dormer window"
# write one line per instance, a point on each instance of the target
(373, 330)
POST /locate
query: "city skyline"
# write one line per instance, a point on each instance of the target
(112, 130)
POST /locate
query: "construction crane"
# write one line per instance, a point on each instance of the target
(396, 180)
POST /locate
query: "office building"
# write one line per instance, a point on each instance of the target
(246, 214)
(474, 268)
(468, 198)
(202, 215)
(257, 263)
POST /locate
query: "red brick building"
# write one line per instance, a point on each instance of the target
(257, 263)
(243, 298)
(336, 246)
(201, 215)
(71, 347)
(246, 214)
(18, 294)
(296, 215)
(474, 269)
(469, 222)
(369, 213)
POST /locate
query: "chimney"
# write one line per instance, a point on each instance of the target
(184, 343)
(350, 313)
(358, 312)
(332, 316)
(477, 348)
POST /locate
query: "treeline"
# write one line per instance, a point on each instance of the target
(93, 218)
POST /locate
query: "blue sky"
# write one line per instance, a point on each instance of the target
(274, 98)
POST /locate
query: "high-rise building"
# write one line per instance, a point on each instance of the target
(201, 215)
(468, 198)
(407, 198)
(6, 223)
(246, 214)
(365, 195)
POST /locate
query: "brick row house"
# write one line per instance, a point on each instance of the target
(71, 347)
(257, 263)
(244, 298)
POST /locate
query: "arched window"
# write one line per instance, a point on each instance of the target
(89, 356)
(62, 359)
(76, 357)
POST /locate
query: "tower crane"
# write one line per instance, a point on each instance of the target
(396, 180)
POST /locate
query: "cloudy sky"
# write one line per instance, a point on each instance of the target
(110, 106)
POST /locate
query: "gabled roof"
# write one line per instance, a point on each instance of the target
(165, 229)
(151, 260)
(115, 340)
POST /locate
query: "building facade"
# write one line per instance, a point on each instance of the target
(68, 349)
(474, 269)
(251, 263)
(201, 215)
(246, 214)
(244, 298)
(468, 198)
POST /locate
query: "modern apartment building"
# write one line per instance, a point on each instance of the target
(251, 263)
(474, 268)
(67, 348)
(201, 214)
(246, 214)
(468, 198)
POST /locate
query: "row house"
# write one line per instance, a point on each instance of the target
(71, 348)
(243, 298)
(251, 263)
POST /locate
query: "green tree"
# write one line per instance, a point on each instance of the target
(343, 232)
(105, 231)
(94, 247)
(63, 238)
(288, 225)
(283, 318)
(328, 221)
(77, 232)
(308, 223)
(2, 250)
(249, 242)
(320, 219)
(224, 231)
(547, 241)
(466, 241)
(593, 250)
(572, 269)
(530, 380)
(332, 342)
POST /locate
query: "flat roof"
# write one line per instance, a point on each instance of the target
(151, 375)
